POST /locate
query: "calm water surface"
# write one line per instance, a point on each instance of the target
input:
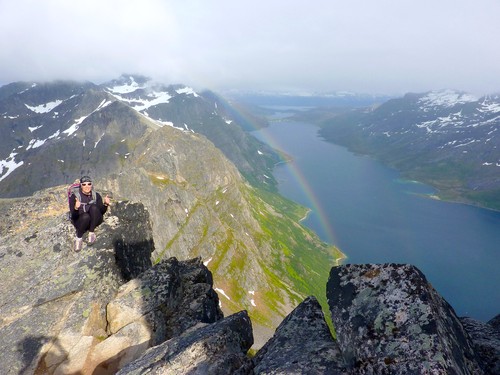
(373, 216)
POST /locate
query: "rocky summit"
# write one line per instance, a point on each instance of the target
(110, 309)
(389, 319)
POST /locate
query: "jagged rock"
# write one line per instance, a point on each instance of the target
(486, 339)
(54, 312)
(302, 344)
(389, 319)
(169, 298)
(218, 348)
(162, 302)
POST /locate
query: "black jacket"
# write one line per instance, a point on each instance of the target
(85, 199)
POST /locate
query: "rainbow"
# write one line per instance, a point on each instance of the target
(325, 231)
(246, 120)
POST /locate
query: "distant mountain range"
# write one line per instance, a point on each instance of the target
(449, 139)
(337, 99)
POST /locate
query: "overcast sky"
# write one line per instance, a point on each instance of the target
(369, 46)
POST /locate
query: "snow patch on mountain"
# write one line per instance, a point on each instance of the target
(35, 143)
(32, 129)
(9, 165)
(446, 98)
(152, 99)
(33, 85)
(221, 291)
(74, 127)
(99, 140)
(44, 108)
(489, 106)
(188, 91)
(126, 88)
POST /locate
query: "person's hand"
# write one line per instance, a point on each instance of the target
(106, 200)
(77, 203)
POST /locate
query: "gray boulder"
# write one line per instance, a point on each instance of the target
(486, 340)
(302, 344)
(215, 349)
(389, 320)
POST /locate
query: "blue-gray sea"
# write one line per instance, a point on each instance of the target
(374, 216)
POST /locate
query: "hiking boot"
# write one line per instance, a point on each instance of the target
(78, 244)
(92, 237)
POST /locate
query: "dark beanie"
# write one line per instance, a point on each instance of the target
(85, 179)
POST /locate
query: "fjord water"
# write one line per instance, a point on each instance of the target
(374, 216)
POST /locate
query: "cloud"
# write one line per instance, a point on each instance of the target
(384, 46)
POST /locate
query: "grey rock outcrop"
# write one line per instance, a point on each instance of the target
(161, 303)
(389, 320)
(168, 298)
(486, 340)
(54, 312)
(218, 348)
(302, 344)
(68, 312)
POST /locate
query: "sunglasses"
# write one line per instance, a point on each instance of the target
(86, 183)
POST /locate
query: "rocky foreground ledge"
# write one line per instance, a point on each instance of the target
(108, 310)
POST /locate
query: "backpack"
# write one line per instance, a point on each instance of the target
(74, 189)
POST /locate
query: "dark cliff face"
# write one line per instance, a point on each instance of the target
(486, 340)
(301, 344)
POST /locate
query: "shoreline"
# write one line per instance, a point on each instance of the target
(343, 256)
(308, 211)
(436, 197)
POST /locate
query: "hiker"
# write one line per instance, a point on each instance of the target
(86, 210)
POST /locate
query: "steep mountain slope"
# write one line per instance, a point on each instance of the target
(199, 203)
(448, 139)
(57, 131)
(261, 258)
